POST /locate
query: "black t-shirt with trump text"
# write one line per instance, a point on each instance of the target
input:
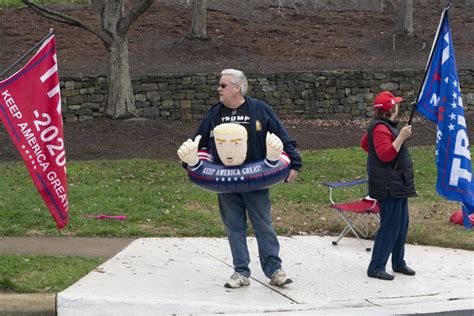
(237, 116)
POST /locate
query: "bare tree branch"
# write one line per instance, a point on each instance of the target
(100, 10)
(134, 13)
(66, 19)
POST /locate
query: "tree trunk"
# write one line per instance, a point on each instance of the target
(120, 100)
(406, 17)
(198, 24)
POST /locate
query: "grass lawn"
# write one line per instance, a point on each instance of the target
(26, 274)
(159, 200)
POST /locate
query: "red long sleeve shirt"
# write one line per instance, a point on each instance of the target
(383, 140)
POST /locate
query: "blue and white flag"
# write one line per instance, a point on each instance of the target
(440, 101)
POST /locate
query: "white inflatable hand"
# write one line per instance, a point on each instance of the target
(188, 151)
(274, 147)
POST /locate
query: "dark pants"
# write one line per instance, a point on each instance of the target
(234, 208)
(391, 236)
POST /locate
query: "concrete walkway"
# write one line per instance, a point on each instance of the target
(155, 276)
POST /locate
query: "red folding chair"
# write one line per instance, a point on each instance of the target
(356, 214)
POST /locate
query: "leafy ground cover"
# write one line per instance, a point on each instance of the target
(255, 36)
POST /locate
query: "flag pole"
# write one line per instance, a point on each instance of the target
(51, 32)
(415, 103)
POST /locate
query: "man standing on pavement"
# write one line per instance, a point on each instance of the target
(258, 119)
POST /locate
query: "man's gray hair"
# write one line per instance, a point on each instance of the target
(238, 78)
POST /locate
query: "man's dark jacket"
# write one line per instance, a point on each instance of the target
(259, 112)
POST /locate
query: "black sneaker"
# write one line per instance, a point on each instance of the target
(382, 275)
(405, 270)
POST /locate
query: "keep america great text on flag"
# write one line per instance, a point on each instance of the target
(30, 108)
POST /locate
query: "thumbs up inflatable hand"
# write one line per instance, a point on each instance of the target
(188, 151)
(274, 147)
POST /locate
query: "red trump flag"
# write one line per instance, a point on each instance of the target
(30, 108)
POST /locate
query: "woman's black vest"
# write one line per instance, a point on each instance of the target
(389, 179)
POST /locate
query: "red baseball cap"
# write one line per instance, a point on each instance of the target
(385, 100)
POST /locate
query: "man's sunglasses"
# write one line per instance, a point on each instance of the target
(225, 85)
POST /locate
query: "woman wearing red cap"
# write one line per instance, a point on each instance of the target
(391, 182)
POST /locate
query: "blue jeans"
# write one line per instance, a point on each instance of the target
(391, 236)
(234, 208)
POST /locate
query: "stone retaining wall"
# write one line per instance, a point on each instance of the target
(302, 95)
